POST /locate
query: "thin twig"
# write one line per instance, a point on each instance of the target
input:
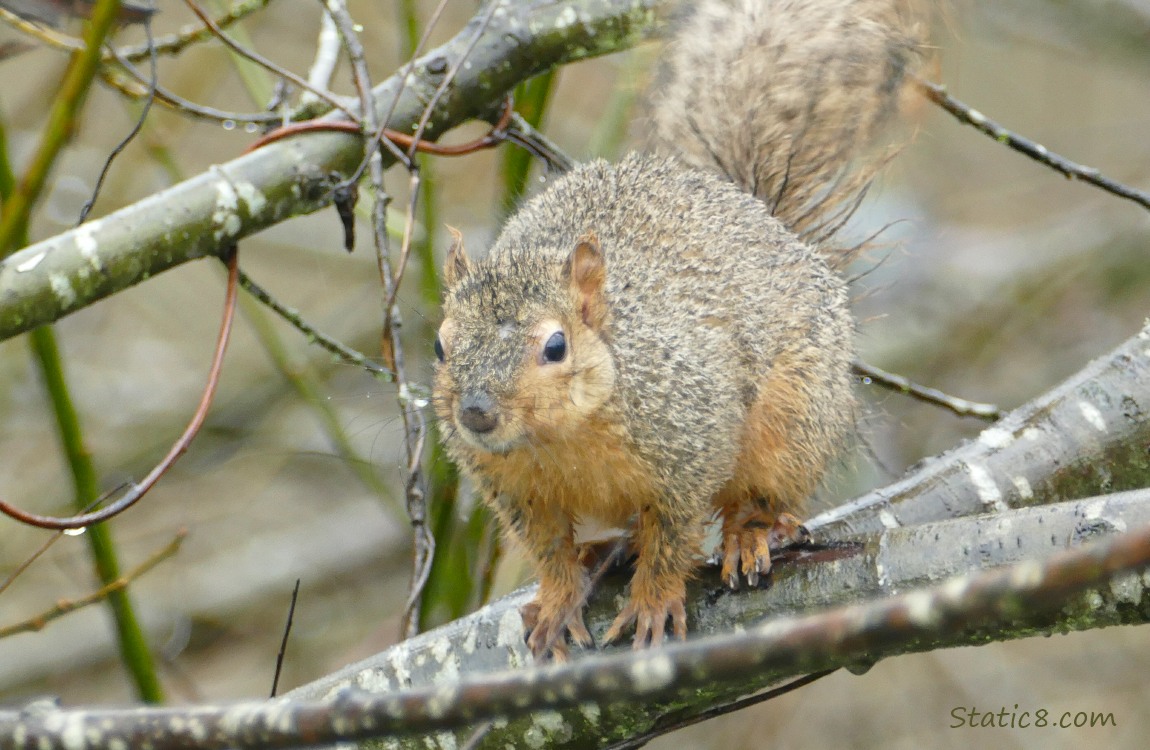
(481, 27)
(494, 137)
(293, 317)
(173, 44)
(327, 49)
(153, 81)
(414, 421)
(47, 545)
(378, 137)
(66, 606)
(177, 103)
(664, 726)
(170, 44)
(1072, 170)
(41, 32)
(960, 406)
(137, 491)
(414, 424)
(522, 134)
(263, 62)
(284, 640)
(345, 27)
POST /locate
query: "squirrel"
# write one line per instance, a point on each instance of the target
(668, 338)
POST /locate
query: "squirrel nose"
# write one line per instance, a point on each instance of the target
(477, 412)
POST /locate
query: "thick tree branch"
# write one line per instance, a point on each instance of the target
(197, 217)
(1087, 436)
(1057, 443)
(584, 701)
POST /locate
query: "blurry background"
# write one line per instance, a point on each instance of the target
(1002, 278)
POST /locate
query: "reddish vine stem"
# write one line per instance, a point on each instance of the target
(492, 139)
(137, 491)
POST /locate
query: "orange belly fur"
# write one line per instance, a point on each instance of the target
(596, 477)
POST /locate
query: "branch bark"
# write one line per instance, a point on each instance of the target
(420, 680)
(608, 696)
(992, 501)
(199, 216)
(1087, 436)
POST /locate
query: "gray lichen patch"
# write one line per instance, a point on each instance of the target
(652, 673)
(547, 728)
(226, 220)
(62, 287)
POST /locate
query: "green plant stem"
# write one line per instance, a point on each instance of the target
(60, 126)
(257, 81)
(531, 98)
(19, 198)
(424, 246)
(448, 589)
(133, 647)
(307, 388)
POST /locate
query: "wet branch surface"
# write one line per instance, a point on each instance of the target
(1066, 590)
(477, 668)
(195, 218)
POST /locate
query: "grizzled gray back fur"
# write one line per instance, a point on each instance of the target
(707, 289)
(703, 334)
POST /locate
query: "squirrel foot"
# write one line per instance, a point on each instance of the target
(650, 619)
(547, 633)
(747, 544)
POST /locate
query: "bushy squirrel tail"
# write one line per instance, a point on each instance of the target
(786, 98)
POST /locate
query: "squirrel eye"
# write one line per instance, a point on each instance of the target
(438, 349)
(556, 348)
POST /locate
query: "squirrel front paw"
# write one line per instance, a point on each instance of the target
(748, 542)
(547, 631)
(650, 619)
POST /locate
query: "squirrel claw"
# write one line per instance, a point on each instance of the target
(650, 622)
(747, 547)
(787, 531)
(578, 631)
(547, 634)
(621, 622)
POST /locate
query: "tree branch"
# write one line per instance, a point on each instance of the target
(1094, 419)
(1056, 444)
(1085, 437)
(197, 217)
(415, 687)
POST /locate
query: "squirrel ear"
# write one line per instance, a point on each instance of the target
(586, 272)
(458, 265)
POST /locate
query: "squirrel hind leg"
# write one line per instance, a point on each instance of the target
(784, 452)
